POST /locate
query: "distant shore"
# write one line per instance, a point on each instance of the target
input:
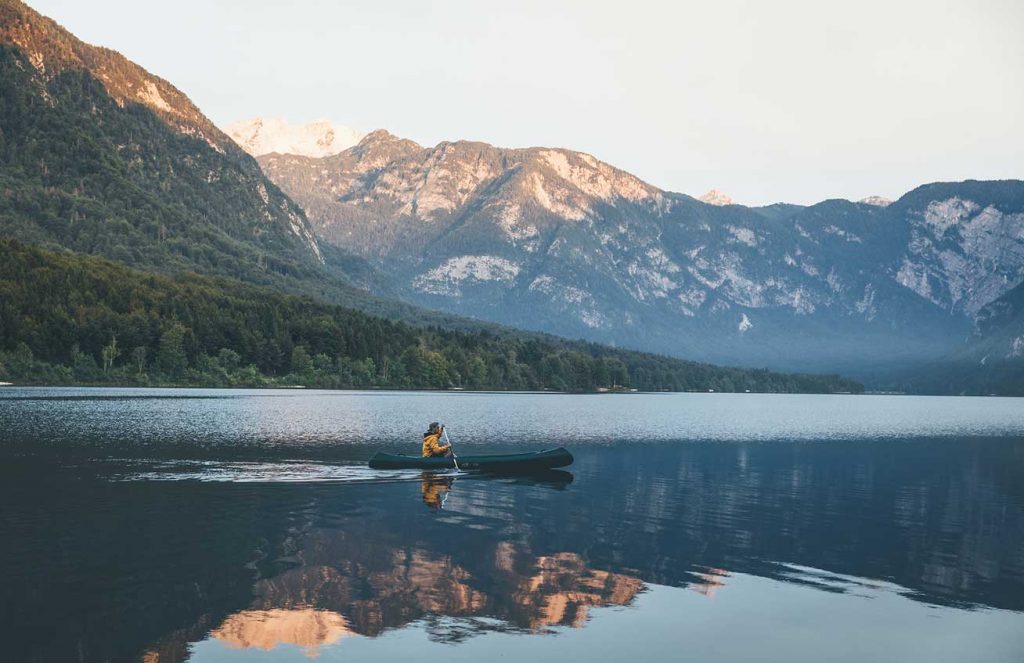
(450, 390)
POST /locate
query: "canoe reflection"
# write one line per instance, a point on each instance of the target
(434, 488)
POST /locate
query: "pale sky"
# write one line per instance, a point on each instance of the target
(767, 101)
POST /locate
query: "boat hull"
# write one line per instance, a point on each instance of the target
(504, 463)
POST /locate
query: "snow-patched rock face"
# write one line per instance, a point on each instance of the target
(716, 197)
(453, 274)
(941, 215)
(743, 235)
(962, 254)
(570, 300)
(877, 201)
(319, 138)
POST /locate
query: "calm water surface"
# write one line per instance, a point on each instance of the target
(205, 525)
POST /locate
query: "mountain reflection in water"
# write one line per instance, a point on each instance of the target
(96, 569)
(362, 584)
(266, 629)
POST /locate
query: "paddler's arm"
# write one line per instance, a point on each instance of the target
(436, 445)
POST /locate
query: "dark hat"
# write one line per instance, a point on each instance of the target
(434, 426)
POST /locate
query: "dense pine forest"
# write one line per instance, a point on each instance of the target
(73, 319)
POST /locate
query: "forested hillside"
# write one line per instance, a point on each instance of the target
(99, 156)
(67, 318)
(991, 361)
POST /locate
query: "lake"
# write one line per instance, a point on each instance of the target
(225, 525)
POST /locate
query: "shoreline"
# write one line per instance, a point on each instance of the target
(413, 390)
(399, 390)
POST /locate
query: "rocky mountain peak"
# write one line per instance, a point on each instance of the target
(379, 137)
(319, 138)
(377, 150)
(877, 201)
(517, 194)
(716, 197)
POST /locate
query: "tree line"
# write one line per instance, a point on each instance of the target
(67, 318)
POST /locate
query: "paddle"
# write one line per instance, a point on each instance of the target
(455, 458)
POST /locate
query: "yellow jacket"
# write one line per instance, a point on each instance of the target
(432, 446)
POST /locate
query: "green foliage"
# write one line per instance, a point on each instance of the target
(61, 314)
(170, 358)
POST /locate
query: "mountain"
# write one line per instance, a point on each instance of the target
(319, 138)
(558, 241)
(97, 155)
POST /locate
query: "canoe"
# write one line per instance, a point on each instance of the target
(511, 463)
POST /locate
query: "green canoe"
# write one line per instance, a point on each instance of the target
(510, 463)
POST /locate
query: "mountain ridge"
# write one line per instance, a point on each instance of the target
(103, 157)
(51, 49)
(584, 249)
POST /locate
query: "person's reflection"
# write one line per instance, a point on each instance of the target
(435, 489)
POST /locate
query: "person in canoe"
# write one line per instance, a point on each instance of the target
(432, 446)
